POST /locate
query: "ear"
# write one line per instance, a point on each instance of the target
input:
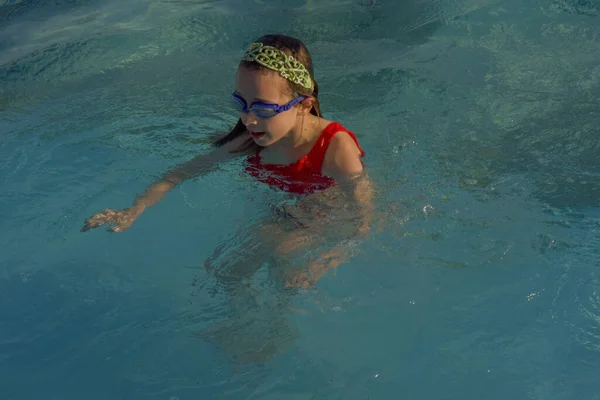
(307, 104)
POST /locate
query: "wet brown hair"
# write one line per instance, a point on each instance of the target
(292, 47)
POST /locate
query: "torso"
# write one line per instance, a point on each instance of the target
(305, 175)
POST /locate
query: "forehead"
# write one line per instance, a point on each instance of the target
(259, 84)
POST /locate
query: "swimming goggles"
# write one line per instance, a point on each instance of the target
(262, 110)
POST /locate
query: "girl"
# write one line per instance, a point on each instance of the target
(288, 144)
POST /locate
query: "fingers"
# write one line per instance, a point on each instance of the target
(93, 222)
(301, 280)
(86, 227)
(123, 221)
(107, 216)
(119, 228)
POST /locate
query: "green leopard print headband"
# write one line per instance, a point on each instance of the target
(287, 66)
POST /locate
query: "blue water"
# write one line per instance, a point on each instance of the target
(480, 121)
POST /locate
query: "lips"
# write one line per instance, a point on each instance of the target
(257, 135)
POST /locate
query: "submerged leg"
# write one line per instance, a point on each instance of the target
(257, 328)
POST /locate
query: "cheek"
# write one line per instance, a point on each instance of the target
(283, 123)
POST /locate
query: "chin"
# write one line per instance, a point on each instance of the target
(264, 140)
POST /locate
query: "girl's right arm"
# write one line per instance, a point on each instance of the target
(201, 164)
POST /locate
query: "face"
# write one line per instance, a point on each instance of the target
(266, 87)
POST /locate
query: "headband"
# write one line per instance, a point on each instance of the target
(287, 66)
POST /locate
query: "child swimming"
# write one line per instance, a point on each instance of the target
(291, 147)
(281, 131)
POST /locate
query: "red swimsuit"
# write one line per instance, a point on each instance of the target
(304, 176)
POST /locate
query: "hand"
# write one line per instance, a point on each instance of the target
(122, 219)
(318, 268)
(290, 242)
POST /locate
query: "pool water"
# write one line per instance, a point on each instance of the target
(480, 122)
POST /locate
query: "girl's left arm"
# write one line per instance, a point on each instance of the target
(343, 163)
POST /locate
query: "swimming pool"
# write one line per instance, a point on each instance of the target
(480, 122)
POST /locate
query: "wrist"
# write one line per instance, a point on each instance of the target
(137, 208)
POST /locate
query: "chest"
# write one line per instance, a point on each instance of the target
(302, 176)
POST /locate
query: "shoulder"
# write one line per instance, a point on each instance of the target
(343, 156)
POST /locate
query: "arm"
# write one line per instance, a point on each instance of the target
(198, 165)
(342, 162)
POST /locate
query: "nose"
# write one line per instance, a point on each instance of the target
(248, 119)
